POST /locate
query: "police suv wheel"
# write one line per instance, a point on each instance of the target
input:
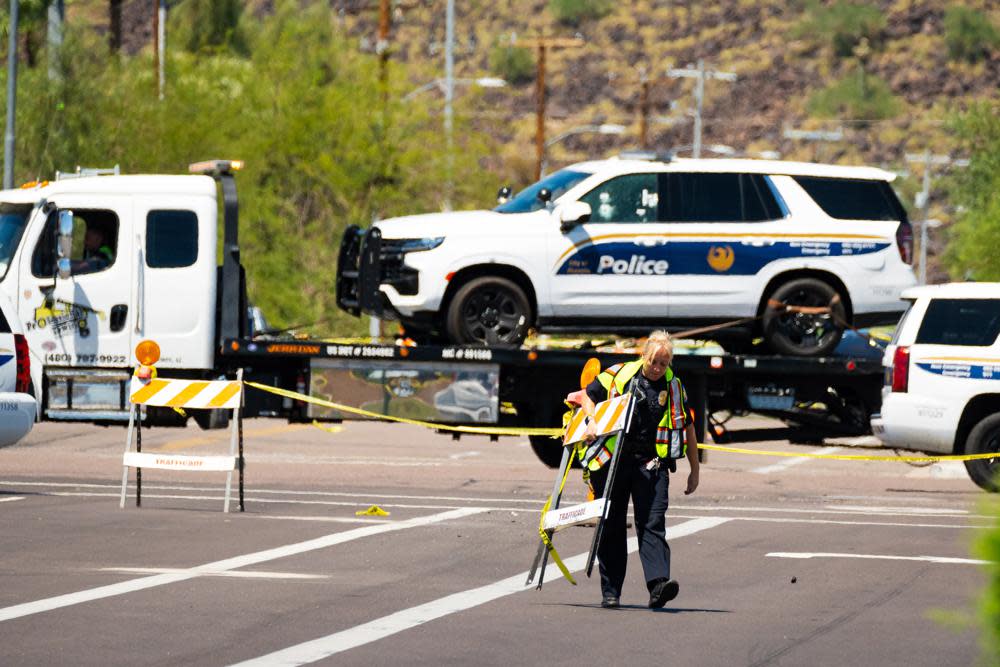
(984, 439)
(804, 318)
(489, 310)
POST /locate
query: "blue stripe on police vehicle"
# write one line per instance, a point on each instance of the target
(962, 370)
(5, 356)
(741, 258)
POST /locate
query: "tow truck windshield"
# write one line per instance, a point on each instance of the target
(527, 199)
(13, 220)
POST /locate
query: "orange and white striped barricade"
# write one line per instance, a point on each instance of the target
(191, 394)
(610, 417)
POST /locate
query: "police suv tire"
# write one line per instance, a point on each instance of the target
(790, 333)
(985, 438)
(488, 310)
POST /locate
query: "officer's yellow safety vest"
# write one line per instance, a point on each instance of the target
(670, 441)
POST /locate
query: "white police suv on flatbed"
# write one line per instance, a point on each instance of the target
(942, 381)
(624, 245)
(17, 407)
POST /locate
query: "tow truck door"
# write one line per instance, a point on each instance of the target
(176, 281)
(83, 320)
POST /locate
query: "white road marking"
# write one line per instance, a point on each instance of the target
(329, 519)
(11, 499)
(463, 455)
(834, 522)
(927, 559)
(324, 647)
(59, 601)
(240, 574)
(918, 511)
(500, 504)
(788, 463)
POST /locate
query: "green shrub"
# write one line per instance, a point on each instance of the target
(969, 34)
(860, 96)
(575, 12)
(516, 64)
(988, 548)
(843, 25)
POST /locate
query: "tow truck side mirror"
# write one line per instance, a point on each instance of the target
(64, 244)
(572, 214)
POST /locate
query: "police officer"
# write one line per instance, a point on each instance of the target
(660, 431)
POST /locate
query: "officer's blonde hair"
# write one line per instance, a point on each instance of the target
(658, 340)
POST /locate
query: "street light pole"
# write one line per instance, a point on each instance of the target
(923, 199)
(8, 137)
(603, 128)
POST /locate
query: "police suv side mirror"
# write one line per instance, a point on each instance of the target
(64, 244)
(571, 214)
(503, 194)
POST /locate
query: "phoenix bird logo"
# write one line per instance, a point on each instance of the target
(721, 258)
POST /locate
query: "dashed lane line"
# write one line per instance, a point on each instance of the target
(924, 559)
(324, 647)
(238, 574)
(788, 463)
(10, 499)
(59, 601)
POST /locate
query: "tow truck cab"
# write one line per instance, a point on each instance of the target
(94, 262)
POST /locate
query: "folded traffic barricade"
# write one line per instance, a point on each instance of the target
(610, 417)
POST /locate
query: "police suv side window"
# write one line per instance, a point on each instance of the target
(171, 239)
(960, 322)
(630, 198)
(717, 198)
(95, 243)
(853, 199)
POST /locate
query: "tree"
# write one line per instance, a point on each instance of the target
(974, 237)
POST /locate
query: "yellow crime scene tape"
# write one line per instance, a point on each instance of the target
(479, 430)
(558, 432)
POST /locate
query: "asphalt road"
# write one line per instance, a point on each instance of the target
(781, 561)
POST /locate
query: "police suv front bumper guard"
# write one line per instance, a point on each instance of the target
(359, 274)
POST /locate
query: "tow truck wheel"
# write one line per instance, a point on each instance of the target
(548, 450)
(804, 318)
(489, 310)
(985, 439)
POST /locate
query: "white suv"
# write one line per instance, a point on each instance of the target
(942, 382)
(624, 245)
(17, 407)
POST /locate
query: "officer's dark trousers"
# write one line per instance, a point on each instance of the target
(648, 489)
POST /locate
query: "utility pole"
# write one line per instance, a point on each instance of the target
(643, 108)
(8, 137)
(382, 47)
(544, 43)
(159, 43)
(449, 96)
(115, 27)
(923, 199)
(56, 13)
(699, 94)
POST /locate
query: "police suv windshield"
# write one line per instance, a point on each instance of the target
(13, 220)
(527, 200)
